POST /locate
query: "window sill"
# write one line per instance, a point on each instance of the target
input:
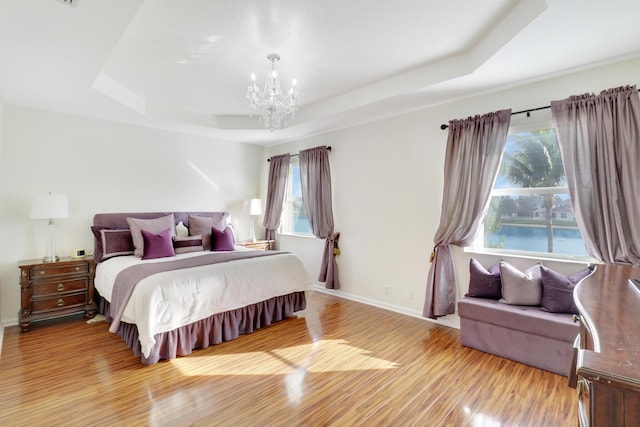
(536, 256)
(305, 236)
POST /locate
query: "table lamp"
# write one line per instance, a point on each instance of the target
(49, 207)
(255, 209)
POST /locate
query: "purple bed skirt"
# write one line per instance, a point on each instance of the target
(220, 327)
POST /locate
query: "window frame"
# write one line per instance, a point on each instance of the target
(286, 221)
(477, 245)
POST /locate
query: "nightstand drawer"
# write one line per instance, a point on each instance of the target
(57, 303)
(58, 287)
(47, 270)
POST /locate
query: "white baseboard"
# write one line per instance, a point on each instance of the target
(452, 320)
(4, 324)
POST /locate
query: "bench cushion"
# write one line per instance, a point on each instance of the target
(527, 319)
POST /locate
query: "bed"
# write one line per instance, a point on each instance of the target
(165, 302)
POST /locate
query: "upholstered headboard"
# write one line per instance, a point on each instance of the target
(118, 220)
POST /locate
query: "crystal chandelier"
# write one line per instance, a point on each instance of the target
(271, 104)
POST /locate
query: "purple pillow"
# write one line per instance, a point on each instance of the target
(484, 283)
(222, 240)
(155, 225)
(111, 242)
(557, 290)
(203, 224)
(157, 245)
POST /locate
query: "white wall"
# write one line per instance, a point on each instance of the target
(387, 190)
(107, 167)
(1, 186)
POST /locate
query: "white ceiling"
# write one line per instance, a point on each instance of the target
(185, 65)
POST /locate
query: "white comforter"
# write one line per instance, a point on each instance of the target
(165, 301)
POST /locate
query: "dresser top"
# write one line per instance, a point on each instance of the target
(610, 308)
(63, 261)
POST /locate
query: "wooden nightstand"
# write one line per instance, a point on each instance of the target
(261, 245)
(55, 289)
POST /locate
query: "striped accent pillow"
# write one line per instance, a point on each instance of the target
(187, 244)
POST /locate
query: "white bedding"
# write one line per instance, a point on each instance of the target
(165, 301)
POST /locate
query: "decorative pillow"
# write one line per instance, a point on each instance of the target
(187, 244)
(181, 229)
(155, 225)
(222, 240)
(203, 225)
(521, 288)
(557, 290)
(110, 242)
(484, 283)
(157, 245)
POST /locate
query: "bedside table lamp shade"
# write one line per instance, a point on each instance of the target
(50, 206)
(255, 209)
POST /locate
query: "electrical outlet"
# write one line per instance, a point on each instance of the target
(387, 290)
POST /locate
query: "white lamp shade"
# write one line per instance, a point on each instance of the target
(255, 207)
(50, 206)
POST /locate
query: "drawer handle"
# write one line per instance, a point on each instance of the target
(42, 272)
(60, 287)
(60, 302)
(77, 268)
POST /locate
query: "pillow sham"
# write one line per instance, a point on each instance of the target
(157, 245)
(557, 290)
(521, 288)
(155, 225)
(484, 283)
(111, 242)
(222, 240)
(203, 225)
(187, 244)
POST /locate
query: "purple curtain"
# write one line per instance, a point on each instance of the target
(315, 181)
(278, 175)
(599, 138)
(473, 155)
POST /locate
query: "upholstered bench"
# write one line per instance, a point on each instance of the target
(525, 334)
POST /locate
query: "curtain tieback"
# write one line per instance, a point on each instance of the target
(334, 239)
(433, 254)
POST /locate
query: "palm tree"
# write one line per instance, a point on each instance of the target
(536, 163)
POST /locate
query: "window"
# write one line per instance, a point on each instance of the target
(530, 209)
(294, 215)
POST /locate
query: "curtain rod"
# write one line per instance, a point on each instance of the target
(294, 155)
(443, 126)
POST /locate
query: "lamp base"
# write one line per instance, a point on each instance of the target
(50, 255)
(252, 231)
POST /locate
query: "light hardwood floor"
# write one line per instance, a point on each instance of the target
(339, 363)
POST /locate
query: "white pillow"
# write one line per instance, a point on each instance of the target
(521, 288)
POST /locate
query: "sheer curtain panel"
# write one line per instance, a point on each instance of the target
(315, 182)
(473, 155)
(599, 138)
(278, 175)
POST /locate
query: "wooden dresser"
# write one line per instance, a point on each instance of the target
(55, 289)
(607, 355)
